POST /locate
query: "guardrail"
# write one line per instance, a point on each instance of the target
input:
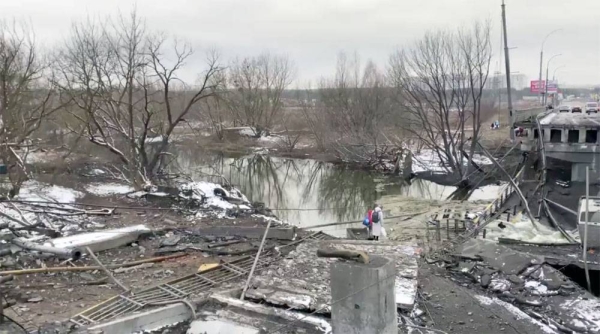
(523, 115)
(471, 225)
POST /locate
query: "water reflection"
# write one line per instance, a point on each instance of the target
(303, 191)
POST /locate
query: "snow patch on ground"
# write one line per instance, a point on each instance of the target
(107, 189)
(270, 139)
(429, 160)
(36, 157)
(51, 215)
(156, 139)
(536, 288)
(37, 191)
(207, 189)
(520, 315)
(521, 228)
(247, 131)
(584, 309)
(487, 193)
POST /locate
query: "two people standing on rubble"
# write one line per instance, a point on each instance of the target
(375, 220)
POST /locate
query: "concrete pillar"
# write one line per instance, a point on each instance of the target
(363, 297)
(582, 132)
(546, 134)
(564, 136)
(578, 172)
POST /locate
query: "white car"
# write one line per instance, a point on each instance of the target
(564, 109)
(591, 107)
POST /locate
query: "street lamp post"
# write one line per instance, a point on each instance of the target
(542, 61)
(556, 69)
(547, 68)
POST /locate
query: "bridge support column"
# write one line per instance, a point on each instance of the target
(582, 132)
(578, 172)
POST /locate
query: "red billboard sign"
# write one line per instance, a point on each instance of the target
(537, 86)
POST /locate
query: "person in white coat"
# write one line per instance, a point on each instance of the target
(377, 222)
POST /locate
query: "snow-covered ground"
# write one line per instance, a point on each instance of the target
(36, 191)
(207, 189)
(107, 189)
(487, 193)
(50, 206)
(429, 160)
(521, 228)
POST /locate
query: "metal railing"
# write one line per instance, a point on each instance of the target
(504, 194)
(177, 289)
(531, 114)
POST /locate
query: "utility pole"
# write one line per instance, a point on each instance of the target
(547, 69)
(540, 80)
(507, 62)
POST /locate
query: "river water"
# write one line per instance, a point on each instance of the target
(306, 192)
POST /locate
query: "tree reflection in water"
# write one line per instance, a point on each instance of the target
(305, 191)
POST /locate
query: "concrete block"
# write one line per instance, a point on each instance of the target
(281, 233)
(146, 321)
(363, 297)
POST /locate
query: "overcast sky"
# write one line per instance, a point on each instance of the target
(313, 32)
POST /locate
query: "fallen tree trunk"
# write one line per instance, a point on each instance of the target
(357, 256)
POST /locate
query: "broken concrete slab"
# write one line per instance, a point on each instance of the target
(215, 325)
(466, 267)
(280, 233)
(498, 256)
(303, 270)
(146, 321)
(321, 324)
(297, 300)
(170, 241)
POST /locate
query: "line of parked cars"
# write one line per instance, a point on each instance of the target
(590, 107)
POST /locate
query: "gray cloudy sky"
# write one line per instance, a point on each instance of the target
(312, 32)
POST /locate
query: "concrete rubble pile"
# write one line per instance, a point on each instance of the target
(44, 219)
(301, 280)
(526, 281)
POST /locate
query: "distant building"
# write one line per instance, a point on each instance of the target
(498, 81)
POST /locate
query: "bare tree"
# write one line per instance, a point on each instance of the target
(255, 86)
(314, 118)
(26, 97)
(355, 105)
(439, 85)
(124, 82)
(215, 112)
